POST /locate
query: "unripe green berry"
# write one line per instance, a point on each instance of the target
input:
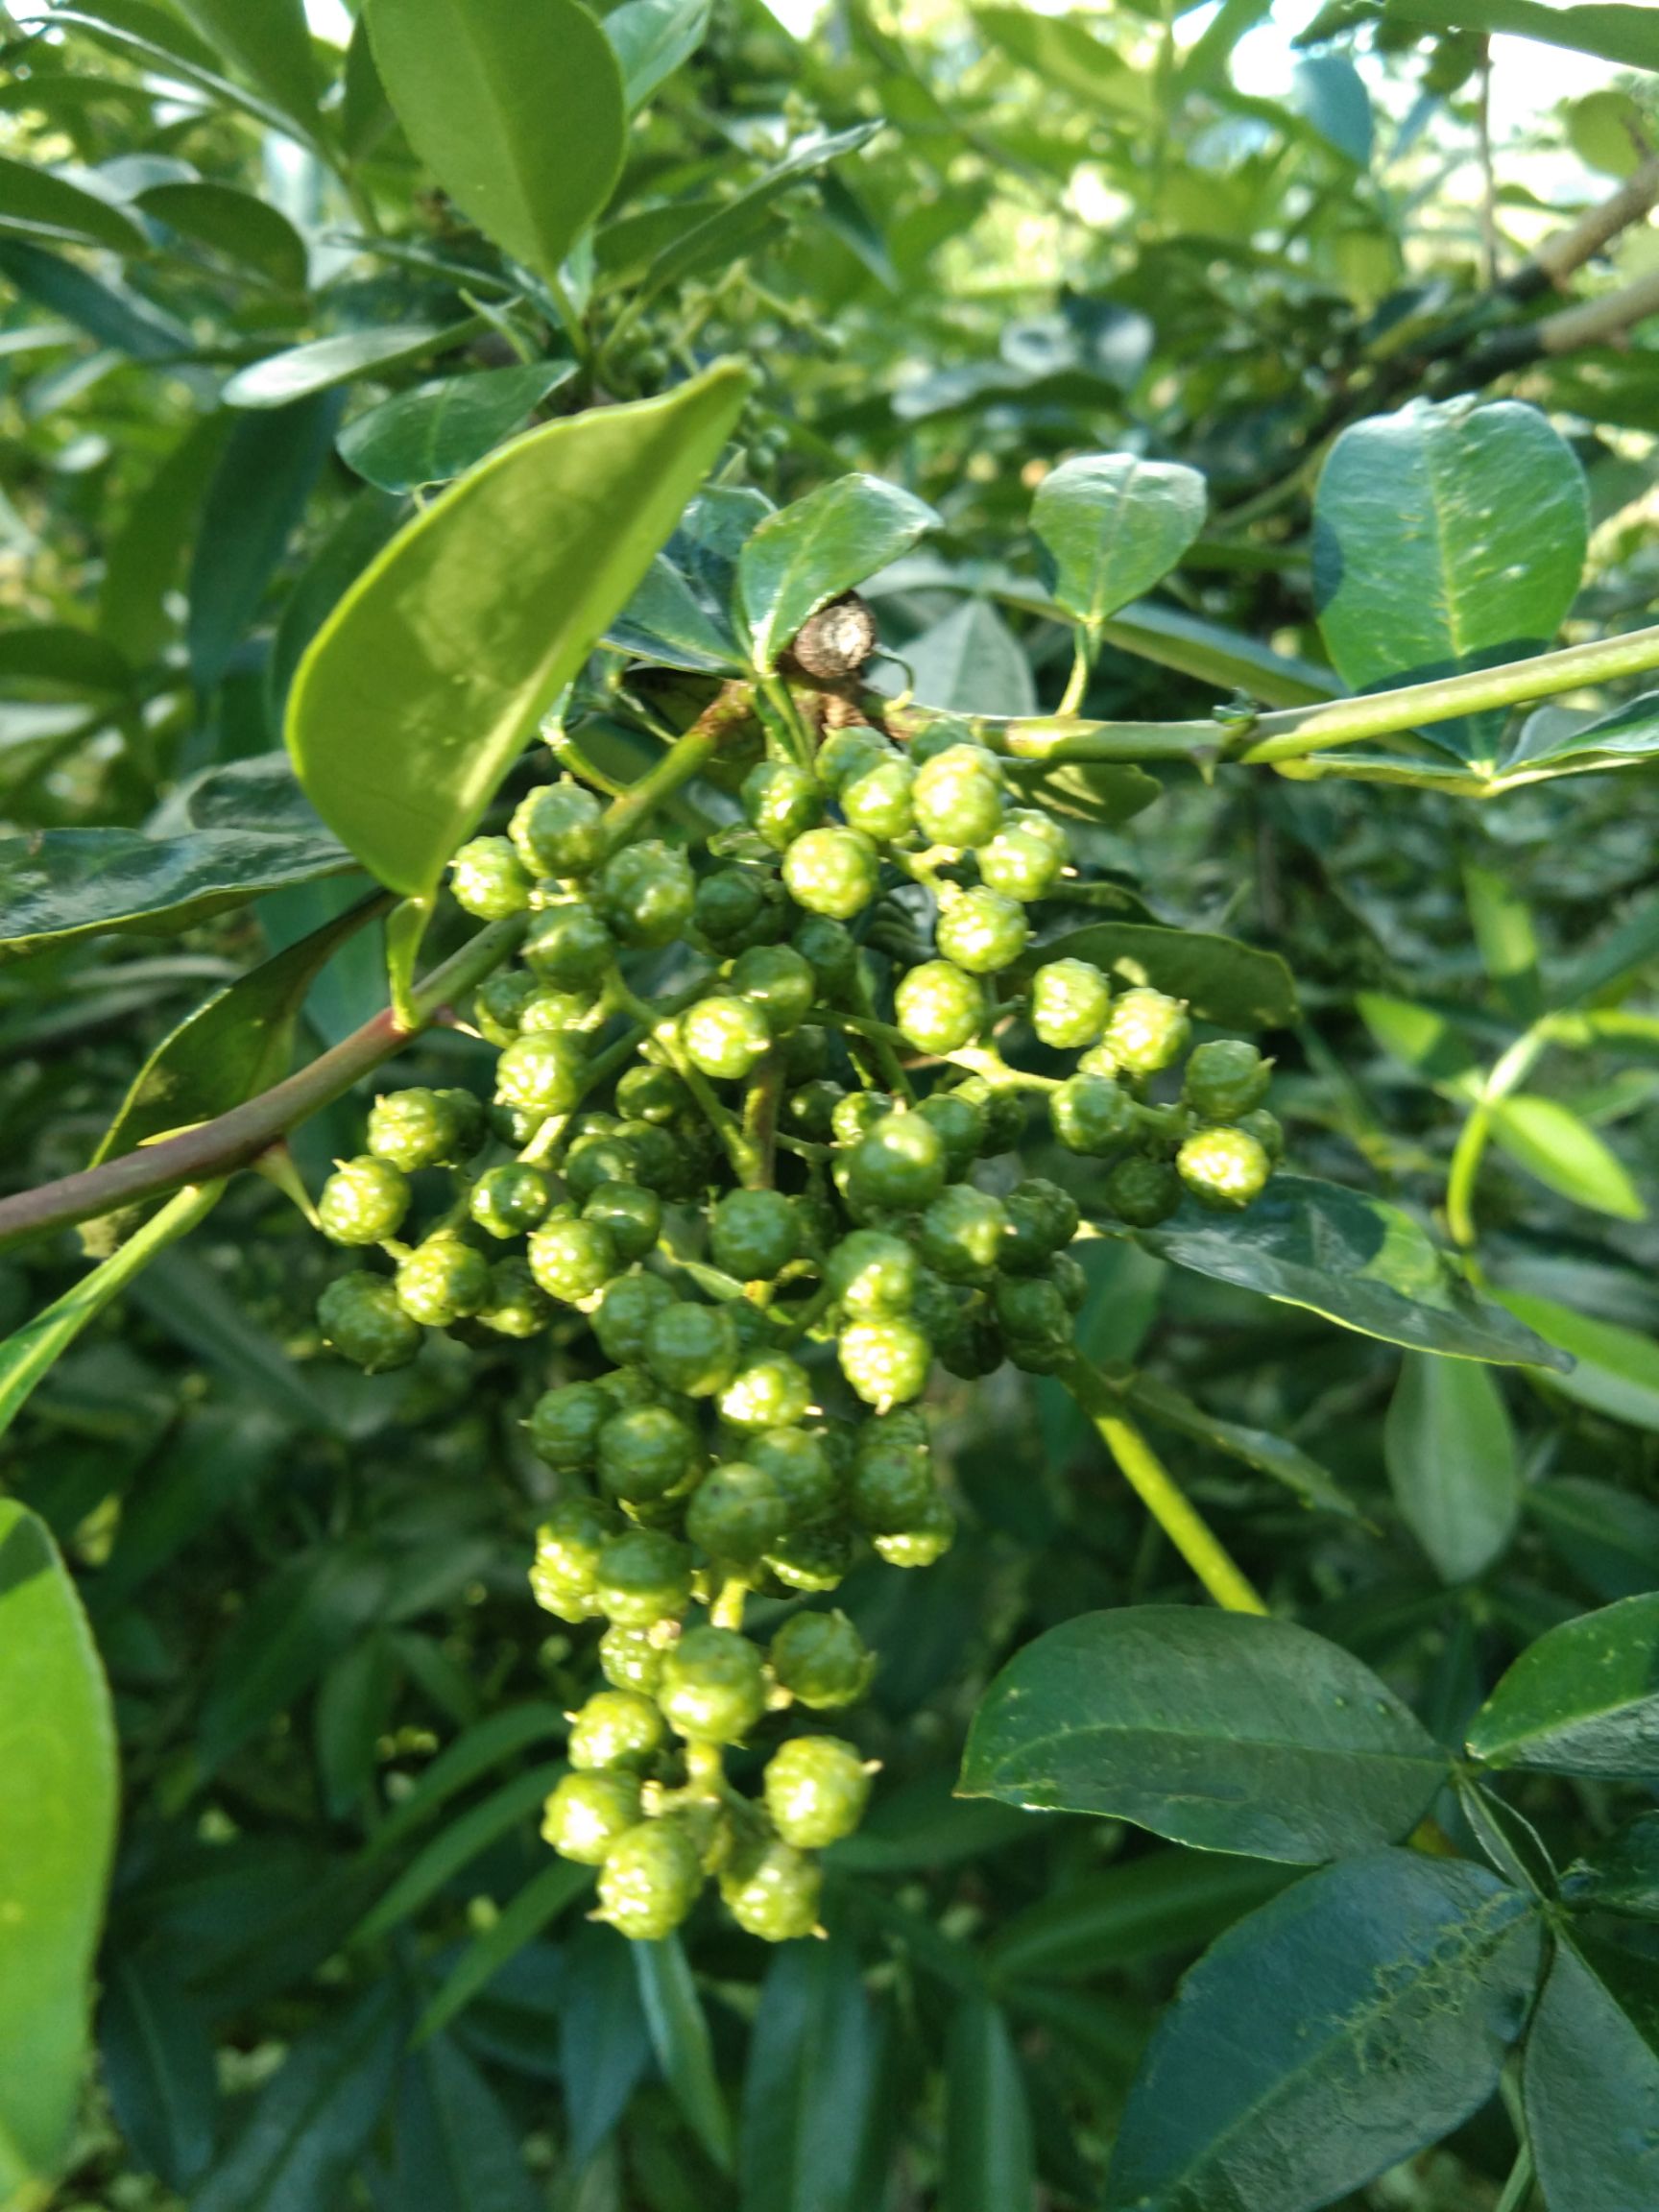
(982, 930)
(1041, 1220)
(650, 1880)
(829, 949)
(831, 872)
(499, 1001)
(516, 1306)
(886, 1362)
(646, 893)
(1004, 1109)
(857, 1113)
(443, 1281)
(922, 1545)
(801, 1471)
(1070, 1003)
(646, 1454)
(569, 947)
(769, 1392)
(892, 1488)
(361, 1317)
(616, 1728)
(648, 1092)
(849, 753)
(1091, 1115)
(713, 1686)
(772, 1890)
(625, 1313)
(724, 1036)
(1146, 1031)
(633, 1215)
(961, 1125)
(509, 1200)
(573, 1260)
(816, 1791)
(754, 1235)
(779, 981)
(550, 1010)
(542, 1076)
(1019, 864)
(363, 1202)
(780, 801)
(1030, 1310)
(643, 1576)
(568, 1546)
(1225, 1079)
(821, 1659)
(815, 1557)
(488, 879)
(588, 1812)
(1143, 1192)
(1264, 1127)
(736, 1512)
(873, 1275)
(413, 1129)
(557, 831)
(900, 1165)
(693, 1349)
(630, 1659)
(962, 1232)
(879, 801)
(727, 904)
(939, 1008)
(956, 799)
(1223, 1168)
(596, 1160)
(565, 1426)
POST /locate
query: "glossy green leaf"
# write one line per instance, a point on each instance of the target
(1421, 1037)
(652, 38)
(322, 363)
(400, 728)
(1452, 1463)
(680, 2038)
(314, 2116)
(605, 2045)
(1153, 1906)
(1220, 980)
(1630, 734)
(269, 42)
(437, 433)
(542, 1900)
(156, 37)
(456, 2150)
(1104, 792)
(1357, 2018)
(1228, 1731)
(146, 558)
(1590, 2090)
(1583, 1700)
(1446, 538)
(266, 470)
(65, 884)
(244, 229)
(1624, 34)
(1619, 1875)
(1550, 1142)
(1360, 1261)
(989, 2161)
(971, 661)
(666, 622)
(1175, 638)
(1615, 1370)
(365, 112)
(238, 1043)
(810, 2084)
(1113, 525)
(1259, 1448)
(37, 204)
(517, 112)
(57, 1832)
(157, 2059)
(457, 1846)
(805, 555)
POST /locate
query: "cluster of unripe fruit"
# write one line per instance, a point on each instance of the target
(787, 1179)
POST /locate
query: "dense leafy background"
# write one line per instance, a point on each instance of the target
(247, 327)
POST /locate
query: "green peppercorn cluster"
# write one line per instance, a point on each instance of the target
(772, 1193)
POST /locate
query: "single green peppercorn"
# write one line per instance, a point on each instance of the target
(892, 1486)
(899, 1164)
(630, 1659)
(550, 1010)
(982, 930)
(849, 753)
(633, 1215)
(643, 1576)
(588, 1812)
(541, 1075)
(724, 1036)
(873, 1275)
(962, 1234)
(939, 1008)
(829, 949)
(772, 1890)
(509, 1200)
(650, 1880)
(1146, 1031)
(565, 1426)
(360, 1316)
(728, 905)
(1070, 1003)
(413, 1129)
(802, 1473)
(646, 1454)
(569, 947)
(648, 1092)
(780, 801)
(603, 1156)
(558, 831)
(516, 1305)
(922, 1545)
(574, 1260)
(616, 1728)
(961, 1126)
(821, 1659)
(736, 1513)
(779, 981)
(814, 1557)
(1005, 1111)
(1030, 1310)
(1143, 1192)
(754, 1235)
(569, 1544)
(488, 879)
(956, 799)
(1225, 1079)
(1019, 864)
(692, 1349)
(772, 1392)
(1041, 1220)
(625, 1313)
(646, 893)
(443, 1281)
(1091, 1115)
(831, 872)
(1223, 1168)
(886, 1362)
(363, 1202)
(816, 1791)
(713, 1686)
(499, 1002)
(879, 801)
(857, 1113)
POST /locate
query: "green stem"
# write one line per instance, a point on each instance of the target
(1078, 683)
(687, 756)
(1153, 1484)
(1512, 1067)
(744, 1157)
(1519, 2186)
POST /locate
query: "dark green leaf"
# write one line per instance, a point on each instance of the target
(1100, 791)
(429, 436)
(354, 1704)
(1550, 1142)
(1624, 33)
(652, 38)
(605, 2045)
(1609, 1537)
(269, 42)
(1113, 527)
(1452, 1464)
(1174, 638)
(61, 657)
(666, 622)
(1358, 1261)
(1155, 1907)
(108, 311)
(1259, 1448)
(400, 728)
(1359, 2017)
(921, 1823)
(366, 525)
(1447, 538)
(37, 204)
(244, 229)
(1420, 1036)
(1590, 2089)
(483, 1746)
(237, 1043)
(282, 379)
(157, 2055)
(187, 1301)
(456, 2148)
(1620, 1875)
(1225, 1730)
(301, 1617)
(541, 1900)
(57, 1832)
(1220, 980)
(265, 473)
(797, 559)
(1629, 733)
(810, 2084)
(680, 2037)
(1583, 1700)
(1615, 1370)
(969, 661)
(314, 2116)
(990, 2165)
(145, 559)
(517, 112)
(458, 1845)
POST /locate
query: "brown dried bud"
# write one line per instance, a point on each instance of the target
(836, 642)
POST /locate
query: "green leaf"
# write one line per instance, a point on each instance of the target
(365, 527)
(1507, 939)
(158, 2057)
(240, 1042)
(156, 35)
(971, 661)
(1630, 734)
(56, 1834)
(457, 1846)
(109, 311)
(365, 112)
(37, 204)
(811, 2086)
(680, 2037)
(1590, 2090)
(652, 38)
(267, 468)
(990, 2162)
(1099, 791)
(456, 2148)
(1330, 93)
(517, 112)
(1583, 1700)
(1259, 1448)
(1446, 538)
(604, 2044)
(1609, 1537)
(1622, 33)
(61, 884)
(1357, 2018)
(1066, 52)
(437, 433)
(541, 1900)
(1620, 1875)
(1174, 638)
(1113, 525)
(269, 42)
(322, 363)
(1220, 980)
(145, 559)
(1615, 1370)
(400, 728)
(797, 559)
(1154, 1907)
(244, 229)
(1422, 1038)
(666, 622)
(1452, 1464)
(306, 1614)
(1550, 1142)
(1224, 1730)
(486, 1744)
(1358, 1261)
(353, 1711)
(314, 2116)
